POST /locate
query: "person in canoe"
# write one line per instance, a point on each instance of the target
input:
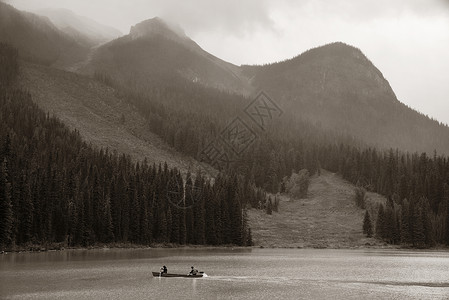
(164, 270)
(193, 271)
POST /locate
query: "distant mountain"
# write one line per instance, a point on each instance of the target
(155, 52)
(37, 39)
(334, 86)
(158, 27)
(337, 87)
(79, 27)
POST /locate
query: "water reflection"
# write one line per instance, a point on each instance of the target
(238, 273)
(194, 285)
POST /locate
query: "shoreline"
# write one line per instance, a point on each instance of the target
(53, 248)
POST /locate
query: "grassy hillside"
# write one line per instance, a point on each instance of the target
(327, 218)
(101, 118)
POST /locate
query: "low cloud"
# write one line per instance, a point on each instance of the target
(407, 39)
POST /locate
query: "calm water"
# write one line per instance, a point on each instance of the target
(232, 274)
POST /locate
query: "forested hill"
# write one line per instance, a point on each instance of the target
(57, 190)
(336, 86)
(57, 174)
(189, 117)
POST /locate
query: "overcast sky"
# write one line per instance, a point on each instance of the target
(408, 40)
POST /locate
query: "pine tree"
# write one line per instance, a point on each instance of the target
(249, 238)
(380, 223)
(124, 210)
(276, 204)
(163, 230)
(389, 223)
(210, 207)
(269, 209)
(235, 211)
(26, 210)
(134, 212)
(446, 199)
(429, 239)
(182, 227)
(360, 195)
(405, 223)
(396, 236)
(116, 190)
(174, 230)
(80, 225)
(198, 210)
(189, 217)
(108, 234)
(169, 225)
(6, 220)
(145, 224)
(97, 204)
(367, 226)
(419, 238)
(86, 235)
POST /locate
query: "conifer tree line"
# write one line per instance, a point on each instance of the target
(55, 188)
(45, 162)
(190, 117)
(416, 184)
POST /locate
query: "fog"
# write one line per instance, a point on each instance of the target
(408, 40)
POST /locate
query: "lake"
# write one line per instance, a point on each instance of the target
(232, 274)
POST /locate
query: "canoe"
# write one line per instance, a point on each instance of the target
(157, 274)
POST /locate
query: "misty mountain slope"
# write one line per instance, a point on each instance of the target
(327, 218)
(154, 53)
(79, 27)
(37, 39)
(337, 87)
(101, 118)
(334, 86)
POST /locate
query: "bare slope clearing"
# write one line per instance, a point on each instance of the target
(101, 118)
(328, 218)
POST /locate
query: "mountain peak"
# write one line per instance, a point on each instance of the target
(157, 26)
(341, 49)
(336, 50)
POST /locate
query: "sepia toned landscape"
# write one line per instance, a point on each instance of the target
(118, 145)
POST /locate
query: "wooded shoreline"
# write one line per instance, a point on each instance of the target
(54, 247)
